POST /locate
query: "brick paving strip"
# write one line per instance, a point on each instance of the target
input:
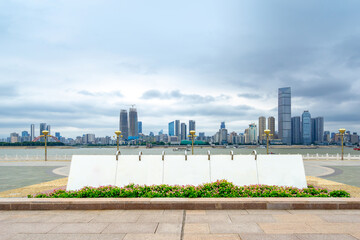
(181, 224)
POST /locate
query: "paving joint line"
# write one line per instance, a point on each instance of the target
(157, 226)
(183, 225)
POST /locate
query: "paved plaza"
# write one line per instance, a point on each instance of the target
(181, 224)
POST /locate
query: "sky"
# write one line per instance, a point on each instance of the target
(75, 64)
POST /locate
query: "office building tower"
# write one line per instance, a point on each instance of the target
(133, 123)
(14, 137)
(306, 128)
(252, 133)
(32, 132)
(48, 128)
(57, 135)
(326, 136)
(271, 126)
(171, 128)
(177, 128)
(295, 130)
(284, 115)
(124, 126)
(140, 127)
(183, 131)
(222, 125)
(313, 131)
(191, 125)
(223, 134)
(42, 127)
(319, 130)
(262, 127)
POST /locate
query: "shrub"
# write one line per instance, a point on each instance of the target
(218, 189)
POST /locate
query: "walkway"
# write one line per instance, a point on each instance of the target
(180, 224)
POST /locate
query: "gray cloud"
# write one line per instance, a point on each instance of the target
(250, 95)
(95, 94)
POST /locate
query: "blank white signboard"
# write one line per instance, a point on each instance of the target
(240, 171)
(194, 171)
(281, 170)
(148, 171)
(91, 170)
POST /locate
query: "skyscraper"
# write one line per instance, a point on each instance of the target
(319, 130)
(48, 128)
(313, 131)
(183, 131)
(124, 127)
(295, 130)
(262, 127)
(306, 128)
(284, 115)
(42, 127)
(140, 127)
(177, 128)
(191, 125)
(252, 133)
(133, 123)
(271, 126)
(171, 128)
(222, 125)
(32, 132)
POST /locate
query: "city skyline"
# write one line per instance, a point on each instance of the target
(211, 62)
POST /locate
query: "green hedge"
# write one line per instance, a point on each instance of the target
(221, 188)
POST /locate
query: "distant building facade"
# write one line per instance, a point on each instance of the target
(124, 125)
(262, 127)
(284, 115)
(183, 131)
(171, 128)
(306, 128)
(271, 126)
(295, 130)
(177, 129)
(191, 125)
(140, 127)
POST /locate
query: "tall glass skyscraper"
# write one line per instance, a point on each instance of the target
(222, 125)
(32, 132)
(183, 131)
(271, 126)
(306, 128)
(140, 127)
(177, 129)
(124, 127)
(284, 115)
(171, 128)
(262, 127)
(295, 130)
(133, 123)
(191, 125)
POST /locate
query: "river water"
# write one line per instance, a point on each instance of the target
(168, 151)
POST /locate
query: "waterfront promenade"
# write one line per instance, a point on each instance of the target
(181, 224)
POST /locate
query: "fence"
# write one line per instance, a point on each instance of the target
(68, 157)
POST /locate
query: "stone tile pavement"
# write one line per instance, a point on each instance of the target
(181, 224)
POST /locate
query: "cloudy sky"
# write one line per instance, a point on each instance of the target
(75, 64)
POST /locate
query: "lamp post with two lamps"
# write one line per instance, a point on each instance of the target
(341, 133)
(192, 136)
(267, 133)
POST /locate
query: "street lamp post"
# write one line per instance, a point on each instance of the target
(117, 139)
(45, 133)
(192, 136)
(341, 133)
(267, 133)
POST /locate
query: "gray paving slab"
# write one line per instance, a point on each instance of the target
(131, 228)
(235, 228)
(27, 227)
(252, 218)
(169, 228)
(62, 236)
(167, 218)
(325, 237)
(341, 218)
(80, 228)
(133, 236)
(262, 236)
(219, 218)
(116, 218)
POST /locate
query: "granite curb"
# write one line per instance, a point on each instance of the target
(178, 203)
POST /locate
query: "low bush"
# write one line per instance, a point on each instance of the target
(218, 189)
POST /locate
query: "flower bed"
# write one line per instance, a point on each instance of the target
(218, 189)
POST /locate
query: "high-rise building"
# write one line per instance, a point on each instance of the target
(284, 115)
(306, 128)
(48, 128)
(252, 133)
(313, 131)
(191, 125)
(140, 127)
(124, 126)
(222, 125)
(171, 128)
(183, 131)
(319, 130)
(262, 127)
(223, 134)
(32, 132)
(271, 126)
(295, 130)
(177, 129)
(42, 128)
(133, 123)
(57, 135)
